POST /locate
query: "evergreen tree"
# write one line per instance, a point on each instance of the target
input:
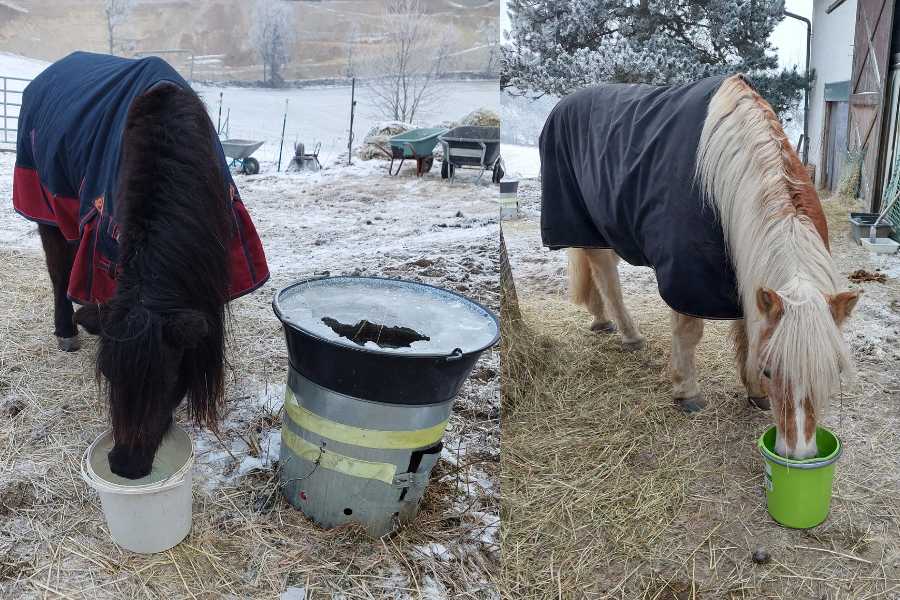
(557, 47)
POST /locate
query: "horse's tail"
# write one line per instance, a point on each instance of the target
(581, 282)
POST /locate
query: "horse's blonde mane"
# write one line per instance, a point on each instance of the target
(744, 169)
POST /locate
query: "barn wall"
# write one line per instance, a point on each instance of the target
(831, 55)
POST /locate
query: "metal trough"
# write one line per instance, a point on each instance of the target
(368, 396)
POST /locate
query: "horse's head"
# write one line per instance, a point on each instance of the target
(150, 361)
(163, 333)
(801, 355)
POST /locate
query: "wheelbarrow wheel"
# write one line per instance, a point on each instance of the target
(427, 164)
(251, 166)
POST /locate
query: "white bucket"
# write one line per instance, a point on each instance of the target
(150, 514)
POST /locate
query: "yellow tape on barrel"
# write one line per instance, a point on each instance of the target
(357, 436)
(333, 461)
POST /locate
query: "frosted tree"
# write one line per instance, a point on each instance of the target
(557, 47)
(272, 35)
(414, 52)
(116, 12)
(488, 34)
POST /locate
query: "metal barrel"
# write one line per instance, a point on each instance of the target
(351, 460)
(362, 426)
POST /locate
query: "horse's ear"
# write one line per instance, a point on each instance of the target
(842, 305)
(769, 304)
(186, 328)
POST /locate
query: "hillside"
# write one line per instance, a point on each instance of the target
(219, 29)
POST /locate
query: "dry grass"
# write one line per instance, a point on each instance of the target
(246, 541)
(610, 492)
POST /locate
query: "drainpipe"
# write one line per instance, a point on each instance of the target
(805, 149)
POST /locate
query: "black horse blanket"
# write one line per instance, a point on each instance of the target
(617, 169)
(67, 162)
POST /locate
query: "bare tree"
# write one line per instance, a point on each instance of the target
(272, 34)
(413, 54)
(116, 12)
(488, 32)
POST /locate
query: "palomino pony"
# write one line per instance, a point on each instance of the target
(700, 182)
(119, 163)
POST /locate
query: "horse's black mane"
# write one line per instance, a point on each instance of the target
(174, 208)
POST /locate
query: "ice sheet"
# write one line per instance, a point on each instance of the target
(448, 320)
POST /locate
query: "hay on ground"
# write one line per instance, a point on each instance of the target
(609, 491)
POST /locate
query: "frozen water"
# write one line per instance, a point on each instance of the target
(448, 320)
(171, 456)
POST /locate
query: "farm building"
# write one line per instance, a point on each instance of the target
(831, 56)
(855, 101)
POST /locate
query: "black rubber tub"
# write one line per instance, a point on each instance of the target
(383, 340)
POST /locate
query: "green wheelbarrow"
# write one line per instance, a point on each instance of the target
(415, 143)
(239, 152)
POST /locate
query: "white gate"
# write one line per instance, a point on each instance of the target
(11, 89)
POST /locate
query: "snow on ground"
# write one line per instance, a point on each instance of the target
(13, 65)
(521, 162)
(257, 411)
(20, 67)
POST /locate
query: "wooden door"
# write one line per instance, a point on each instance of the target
(871, 53)
(835, 144)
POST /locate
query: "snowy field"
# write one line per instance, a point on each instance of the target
(314, 115)
(246, 540)
(323, 114)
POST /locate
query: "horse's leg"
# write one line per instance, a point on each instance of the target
(583, 290)
(60, 257)
(686, 334)
(605, 274)
(746, 369)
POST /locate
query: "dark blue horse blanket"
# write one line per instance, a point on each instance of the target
(67, 163)
(617, 170)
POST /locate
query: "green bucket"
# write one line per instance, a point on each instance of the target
(798, 492)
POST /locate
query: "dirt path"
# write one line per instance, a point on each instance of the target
(53, 540)
(610, 492)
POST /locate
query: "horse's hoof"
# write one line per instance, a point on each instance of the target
(692, 404)
(603, 326)
(69, 344)
(760, 403)
(632, 345)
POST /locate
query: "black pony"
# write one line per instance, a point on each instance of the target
(178, 235)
